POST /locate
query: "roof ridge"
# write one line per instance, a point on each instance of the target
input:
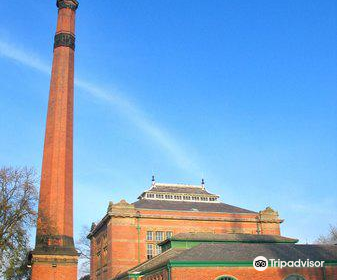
(177, 185)
(232, 237)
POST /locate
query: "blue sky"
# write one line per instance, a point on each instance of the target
(243, 93)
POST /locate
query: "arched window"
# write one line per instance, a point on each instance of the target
(226, 278)
(295, 277)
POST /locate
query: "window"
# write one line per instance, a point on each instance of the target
(150, 195)
(159, 196)
(149, 235)
(149, 251)
(177, 197)
(168, 196)
(204, 198)
(295, 277)
(226, 278)
(99, 259)
(158, 250)
(105, 254)
(159, 235)
(168, 234)
(187, 197)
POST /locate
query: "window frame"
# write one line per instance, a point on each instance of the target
(162, 235)
(148, 250)
(148, 235)
(158, 250)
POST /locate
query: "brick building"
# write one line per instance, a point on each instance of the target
(172, 232)
(129, 233)
(203, 256)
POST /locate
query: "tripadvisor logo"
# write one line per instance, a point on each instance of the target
(260, 263)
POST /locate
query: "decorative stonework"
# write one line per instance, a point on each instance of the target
(72, 4)
(65, 40)
(110, 206)
(269, 214)
(122, 204)
(54, 260)
(121, 209)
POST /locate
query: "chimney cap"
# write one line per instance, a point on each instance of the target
(71, 4)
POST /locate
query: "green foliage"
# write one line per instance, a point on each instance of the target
(18, 199)
(17, 268)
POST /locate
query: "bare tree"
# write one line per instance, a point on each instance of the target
(18, 199)
(83, 247)
(330, 238)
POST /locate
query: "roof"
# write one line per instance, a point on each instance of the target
(230, 252)
(179, 188)
(153, 263)
(230, 237)
(236, 252)
(189, 206)
(158, 260)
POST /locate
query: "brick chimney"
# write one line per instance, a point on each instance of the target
(54, 256)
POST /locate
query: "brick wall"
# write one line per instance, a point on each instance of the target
(249, 273)
(48, 267)
(47, 272)
(158, 275)
(55, 221)
(123, 234)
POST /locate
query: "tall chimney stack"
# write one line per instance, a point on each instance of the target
(54, 256)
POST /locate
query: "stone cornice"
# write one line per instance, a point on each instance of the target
(71, 4)
(115, 214)
(98, 226)
(252, 218)
(197, 218)
(54, 259)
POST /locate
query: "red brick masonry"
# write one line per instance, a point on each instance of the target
(55, 257)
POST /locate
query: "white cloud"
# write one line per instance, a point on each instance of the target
(23, 57)
(131, 111)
